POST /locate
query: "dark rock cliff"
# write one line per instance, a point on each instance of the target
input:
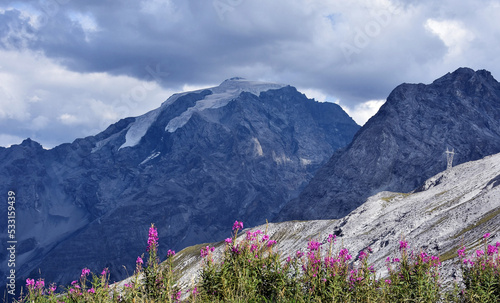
(405, 143)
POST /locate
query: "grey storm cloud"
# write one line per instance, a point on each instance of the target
(349, 51)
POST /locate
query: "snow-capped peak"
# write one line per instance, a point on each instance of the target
(221, 96)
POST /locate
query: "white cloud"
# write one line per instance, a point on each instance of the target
(453, 34)
(39, 96)
(315, 94)
(363, 111)
(68, 119)
(7, 140)
(39, 123)
(99, 76)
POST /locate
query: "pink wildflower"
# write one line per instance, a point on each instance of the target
(362, 255)
(461, 252)
(237, 225)
(313, 245)
(403, 245)
(486, 235)
(170, 253)
(205, 251)
(492, 250)
(39, 284)
(331, 238)
(253, 247)
(30, 283)
(92, 291)
(271, 243)
(236, 249)
(85, 272)
(139, 261)
(152, 238)
(229, 241)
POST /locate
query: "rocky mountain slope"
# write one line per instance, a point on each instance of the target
(453, 208)
(404, 143)
(202, 159)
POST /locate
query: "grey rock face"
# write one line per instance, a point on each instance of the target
(452, 209)
(238, 151)
(404, 143)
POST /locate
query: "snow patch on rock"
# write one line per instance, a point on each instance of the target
(139, 128)
(221, 96)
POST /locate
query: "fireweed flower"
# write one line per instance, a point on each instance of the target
(229, 241)
(331, 238)
(104, 272)
(152, 238)
(403, 245)
(205, 251)
(492, 250)
(486, 235)
(85, 272)
(92, 290)
(344, 254)
(236, 249)
(362, 255)
(479, 253)
(139, 261)
(253, 247)
(237, 225)
(271, 243)
(170, 253)
(74, 282)
(461, 252)
(388, 281)
(39, 284)
(313, 245)
(265, 238)
(299, 254)
(30, 283)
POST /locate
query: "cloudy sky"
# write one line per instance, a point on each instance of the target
(70, 68)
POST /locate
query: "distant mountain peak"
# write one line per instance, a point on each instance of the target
(217, 97)
(465, 74)
(403, 144)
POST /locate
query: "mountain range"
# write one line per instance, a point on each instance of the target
(252, 151)
(192, 166)
(404, 143)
